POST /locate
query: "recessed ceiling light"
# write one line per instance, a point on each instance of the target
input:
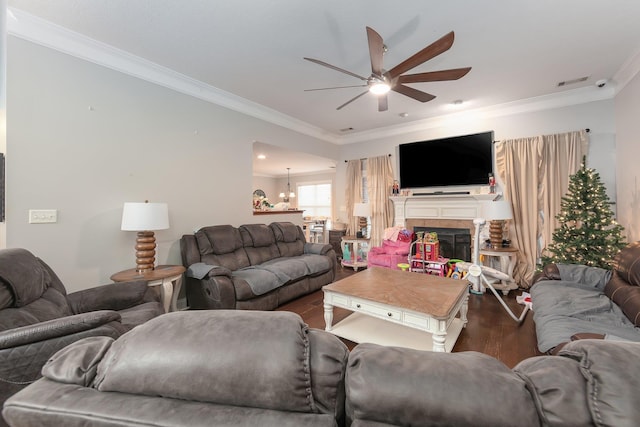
(404, 115)
(261, 156)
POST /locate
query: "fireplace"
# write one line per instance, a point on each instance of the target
(440, 212)
(454, 242)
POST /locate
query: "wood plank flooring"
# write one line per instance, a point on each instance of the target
(490, 329)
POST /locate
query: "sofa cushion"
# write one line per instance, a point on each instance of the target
(222, 245)
(561, 309)
(626, 296)
(394, 386)
(289, 238)
(259, 243)
(612, 391)
(624, 286)
(198, 355)
(559, 389)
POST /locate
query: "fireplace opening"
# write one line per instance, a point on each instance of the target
(454, 242)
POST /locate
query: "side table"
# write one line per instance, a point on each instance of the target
(508, 258)
(168, 277)
(358, 245)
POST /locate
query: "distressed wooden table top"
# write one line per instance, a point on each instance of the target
(424, 293)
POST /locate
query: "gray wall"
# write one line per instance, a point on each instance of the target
(84, 139)
(627, 112)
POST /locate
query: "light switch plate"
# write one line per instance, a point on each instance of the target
(43, 216)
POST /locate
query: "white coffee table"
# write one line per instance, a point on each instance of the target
(398, 308)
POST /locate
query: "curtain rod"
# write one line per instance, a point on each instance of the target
(364, 158)
(587, 130)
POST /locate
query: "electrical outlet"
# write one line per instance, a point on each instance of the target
(43, 216)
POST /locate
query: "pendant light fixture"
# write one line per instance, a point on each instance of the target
(289, 194)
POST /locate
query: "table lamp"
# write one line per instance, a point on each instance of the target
(362, 211)
(497, 212)
(144, 218)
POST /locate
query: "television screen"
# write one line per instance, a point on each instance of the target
(454, 161)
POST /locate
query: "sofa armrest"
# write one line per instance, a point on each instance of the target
(317, 248)
(114, 296)
(200, 270)
(549, 272)
(212, 292)
(56, 328)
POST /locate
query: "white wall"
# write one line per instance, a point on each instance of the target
(84, 139)
(3, 99)
(597, 116)
(627, 113)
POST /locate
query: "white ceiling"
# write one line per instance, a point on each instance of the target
(253, 49)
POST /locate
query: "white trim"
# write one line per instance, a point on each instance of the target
(45, 33)
(627, 72)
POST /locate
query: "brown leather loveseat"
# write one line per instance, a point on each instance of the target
(574, 301)
(254, 266)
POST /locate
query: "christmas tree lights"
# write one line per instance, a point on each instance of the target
(588, 233)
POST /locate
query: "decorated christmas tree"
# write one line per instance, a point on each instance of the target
(588, 233)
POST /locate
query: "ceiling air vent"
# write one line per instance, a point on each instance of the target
(570, 82)
(349, 129)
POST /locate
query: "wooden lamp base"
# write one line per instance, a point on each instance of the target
(145, 251)
(495, 233)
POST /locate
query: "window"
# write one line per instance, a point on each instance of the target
(315, 199)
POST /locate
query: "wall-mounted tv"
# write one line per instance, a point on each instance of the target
(455, 161)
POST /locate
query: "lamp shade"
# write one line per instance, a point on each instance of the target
(498, 210)
(361, 209)
(145, 216)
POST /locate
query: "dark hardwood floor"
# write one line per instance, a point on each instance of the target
(490, 329)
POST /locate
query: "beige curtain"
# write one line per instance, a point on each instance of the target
(535, 172)
(379, 183)
(353, 193)
(518, 162)
(561, 157)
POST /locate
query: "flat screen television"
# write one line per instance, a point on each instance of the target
(454, 161)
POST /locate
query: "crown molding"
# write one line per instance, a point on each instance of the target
(547, 102)
(627, 72)
(45, 33)
(28, 27)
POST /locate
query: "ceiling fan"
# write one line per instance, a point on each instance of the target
(382, 81)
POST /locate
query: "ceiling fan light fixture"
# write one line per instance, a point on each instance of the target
(379, 88)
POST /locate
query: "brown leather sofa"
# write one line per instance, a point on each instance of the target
(38, 317)
(254, 266)
(575, 301)
(248, 368)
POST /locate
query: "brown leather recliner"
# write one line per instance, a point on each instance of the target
(620, 288)
(38, 317)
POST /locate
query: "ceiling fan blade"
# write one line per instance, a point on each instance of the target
(352, 99)
(434, 49)
(435, 76)
(383, 104)
(335, 87)
(333, 67)
(416, 94)
(376, 51)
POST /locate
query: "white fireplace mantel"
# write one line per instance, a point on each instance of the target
(439, 206)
